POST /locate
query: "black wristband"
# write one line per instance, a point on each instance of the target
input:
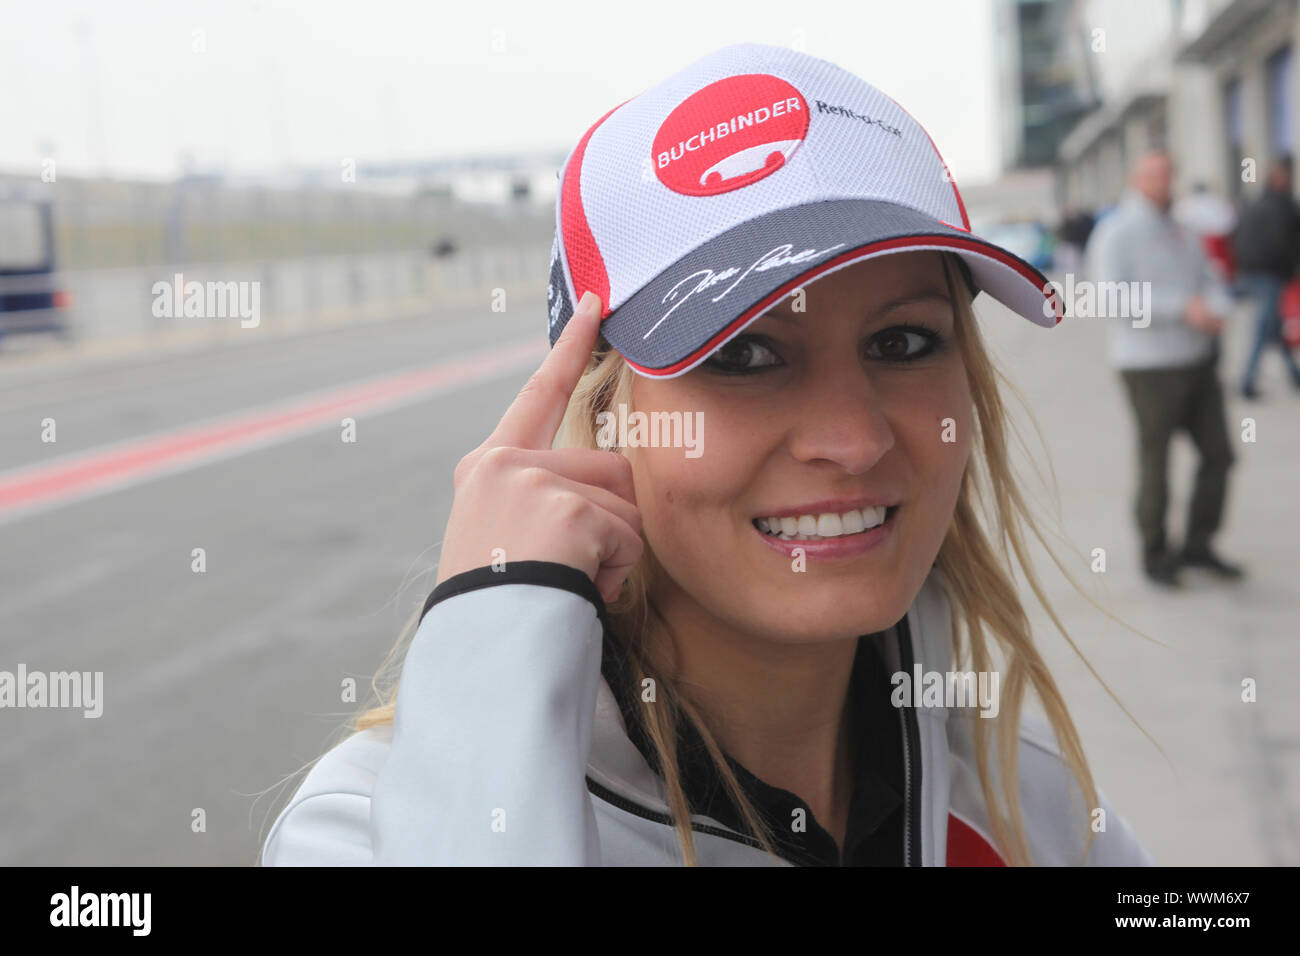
(546, 573)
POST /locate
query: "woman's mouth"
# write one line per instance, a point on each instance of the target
(818, 527)
(828, 535)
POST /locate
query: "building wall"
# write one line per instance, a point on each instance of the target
(1194, 108)
(1191, 117)
(1246, 57)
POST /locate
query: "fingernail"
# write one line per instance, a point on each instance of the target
(586, 302)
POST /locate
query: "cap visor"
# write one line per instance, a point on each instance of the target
(684, 314)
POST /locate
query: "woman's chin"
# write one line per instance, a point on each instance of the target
(851, 618)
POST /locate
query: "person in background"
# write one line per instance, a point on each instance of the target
(1072, 235)
(1168, 363)
(1268, 245)
(1212, 218)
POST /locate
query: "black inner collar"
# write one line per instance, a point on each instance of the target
(874, 835)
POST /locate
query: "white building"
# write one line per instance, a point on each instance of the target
(1209, 80)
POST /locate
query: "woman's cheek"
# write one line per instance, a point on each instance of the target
(666, 494)
(686, 504)
(957, 423)
(939, 439)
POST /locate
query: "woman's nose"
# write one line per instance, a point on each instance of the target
(839, 417)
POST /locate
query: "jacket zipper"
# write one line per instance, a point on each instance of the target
(911, 745)
(609, 796)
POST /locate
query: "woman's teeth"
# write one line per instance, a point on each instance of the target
(807, 527)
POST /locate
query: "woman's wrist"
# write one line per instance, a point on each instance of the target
(544, 573)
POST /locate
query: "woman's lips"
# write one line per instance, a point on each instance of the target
(841, 546)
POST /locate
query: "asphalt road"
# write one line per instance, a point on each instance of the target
(219, 684)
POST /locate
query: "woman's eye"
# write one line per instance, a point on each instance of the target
(903, 344)
(742, 354)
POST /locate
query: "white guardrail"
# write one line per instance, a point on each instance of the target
(275, 294)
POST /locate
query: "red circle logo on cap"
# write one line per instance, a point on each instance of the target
(731, 133)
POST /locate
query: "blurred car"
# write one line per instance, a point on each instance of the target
(29, 298)
(1031, 241)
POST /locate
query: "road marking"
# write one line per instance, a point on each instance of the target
(31, 489)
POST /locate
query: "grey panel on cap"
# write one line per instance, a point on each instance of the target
(559, 304)
(696, 298)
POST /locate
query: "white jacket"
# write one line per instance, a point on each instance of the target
(508, 748)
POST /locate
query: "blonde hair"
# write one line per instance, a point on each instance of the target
(988, 531)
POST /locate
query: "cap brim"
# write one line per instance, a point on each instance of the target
(689, 310)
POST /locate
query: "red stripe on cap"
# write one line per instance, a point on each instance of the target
(961, 206)
(586, 264)
(967, 846)
(951, 242)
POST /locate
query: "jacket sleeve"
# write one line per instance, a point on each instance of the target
(1293, 239)
(1119, 845)
(1056, 816)
(490, 739)
(1211, 287)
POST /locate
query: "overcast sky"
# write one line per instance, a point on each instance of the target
(119, 87)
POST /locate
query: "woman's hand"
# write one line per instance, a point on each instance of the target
(515, 492)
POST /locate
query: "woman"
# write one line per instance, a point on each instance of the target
(733, 631)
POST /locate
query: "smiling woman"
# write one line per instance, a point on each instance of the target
(627, 642)
(811, 417)
(844, 405)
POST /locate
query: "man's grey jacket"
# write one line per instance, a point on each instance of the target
(1141, 260)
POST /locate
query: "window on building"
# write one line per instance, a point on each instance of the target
(1277, 77)
(1232, 127)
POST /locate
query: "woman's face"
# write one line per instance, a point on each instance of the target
(860, 397)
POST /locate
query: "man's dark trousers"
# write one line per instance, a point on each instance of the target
(1164, 401)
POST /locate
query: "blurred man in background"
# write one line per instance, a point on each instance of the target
(1268, 246)
(1168, 363)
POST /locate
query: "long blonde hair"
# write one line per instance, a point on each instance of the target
(987, 533)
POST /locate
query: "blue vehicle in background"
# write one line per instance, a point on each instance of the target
(30, 302)
(1030, 240)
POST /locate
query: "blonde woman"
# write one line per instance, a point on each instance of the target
(730, 583)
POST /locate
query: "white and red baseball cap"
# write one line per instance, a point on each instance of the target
(694, 207)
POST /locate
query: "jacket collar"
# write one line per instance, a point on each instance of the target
(1136, 202)
(616, 764)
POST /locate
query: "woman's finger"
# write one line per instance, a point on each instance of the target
(534, 417)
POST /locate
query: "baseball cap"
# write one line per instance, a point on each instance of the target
(695, 206)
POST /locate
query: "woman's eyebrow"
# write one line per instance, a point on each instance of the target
(912, 299)
(895, 303)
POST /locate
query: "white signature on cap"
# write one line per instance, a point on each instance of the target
(774, 259)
